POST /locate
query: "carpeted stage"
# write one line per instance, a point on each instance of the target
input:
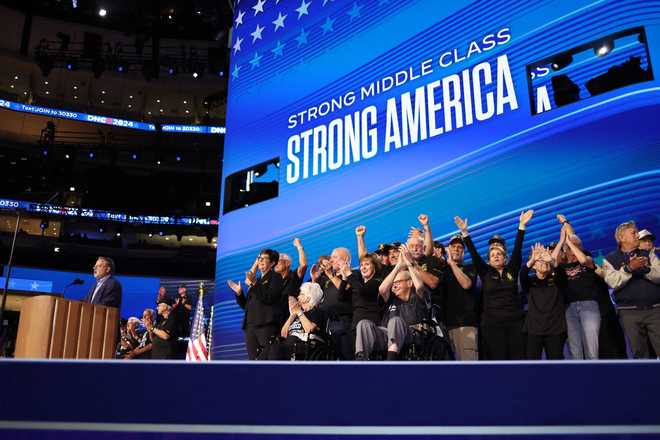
(242, 400)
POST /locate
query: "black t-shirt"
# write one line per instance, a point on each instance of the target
(459, 305)
(581, 282)
(316, 315)
(364, 297)
(413, 311)
(182, 314)
(434, 266)
(291, 284)
(334, 305)
(165, 348)
(545, 313)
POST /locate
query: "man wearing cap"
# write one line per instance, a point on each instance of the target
(634, 274)
(646, 240)
(459, 302)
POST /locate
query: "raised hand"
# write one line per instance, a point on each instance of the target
(525, 217)
(404, 255)
(561, 218)
(360, 230)
(297, 243)
(250, 278)
(315, 272)
(344, 269)
(236, 287)
(462, 224)
(423, 219)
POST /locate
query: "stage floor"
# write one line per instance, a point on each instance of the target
(122, 400)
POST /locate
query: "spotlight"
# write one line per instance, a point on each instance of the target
(118, 234)
(122, 67)
(207, 204)
(66, 156)
(195, 75)
(103, 12)
(101, 229)
(72, 188)
(561, 61)
(171, 71)
(134, 156)
(56, 250)
(178, 158)
(603, 50)
(91, 155)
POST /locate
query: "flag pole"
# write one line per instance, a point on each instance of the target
(210, 332)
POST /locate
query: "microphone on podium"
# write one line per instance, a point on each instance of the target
(75, 282)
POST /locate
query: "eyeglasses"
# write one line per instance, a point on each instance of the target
(401, 281)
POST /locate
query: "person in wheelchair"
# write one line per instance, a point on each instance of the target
(408, 307)
(303, 330)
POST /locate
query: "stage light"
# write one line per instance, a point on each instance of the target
(15, 76)
(185, 102)
(195, 75)
(45, 152)
(103, 12)
(66, 156)
(130, 106)
(603, 50)
(75, 87)
(158, 101)
(91, 155)
(118, 234)
(178, 158)
(187, 111)
(221, 73)
(151, 235)
(56, 250)
(46, 82)
(102, 92)
(157, 162)
(130, 96)
(207, 204)
(161, 233)
(72, 188)
(102, 101)
(72, 65)
(101, 229)
(122, 67)
(47, 92)
(134, 156)
(75, 97)
(11, 86)
(171, 71)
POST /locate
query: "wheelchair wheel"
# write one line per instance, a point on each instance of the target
(438, 349)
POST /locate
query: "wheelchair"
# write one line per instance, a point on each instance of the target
(429, 343)
(314, 348)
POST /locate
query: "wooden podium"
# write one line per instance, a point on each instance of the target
(56, 328)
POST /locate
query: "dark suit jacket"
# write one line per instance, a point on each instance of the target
(262, 305)
(109, 294)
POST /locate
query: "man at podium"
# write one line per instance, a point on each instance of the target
(106, 291)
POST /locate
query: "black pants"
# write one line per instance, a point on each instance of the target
(343, 338)
(257, 338)
(553, 345)
(503, 341)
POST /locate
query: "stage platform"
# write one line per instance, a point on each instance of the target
(243, 400)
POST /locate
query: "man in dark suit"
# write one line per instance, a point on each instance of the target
(106, 291)
(262, 304)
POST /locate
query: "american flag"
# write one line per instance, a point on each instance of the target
(197, 349)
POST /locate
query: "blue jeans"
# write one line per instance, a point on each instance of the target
(583, 326)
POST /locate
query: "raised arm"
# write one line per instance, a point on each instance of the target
(479, 263)
(414, 270)
(386, 286)
(582, 258)
(516, 254)
(428, 235)
(562, 239)
(302, 258)
(361, 245)
(464, 280)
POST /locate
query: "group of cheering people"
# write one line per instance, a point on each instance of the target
(158, 334)
(376, 311)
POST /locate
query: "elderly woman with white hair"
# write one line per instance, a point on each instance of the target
(305, 324)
